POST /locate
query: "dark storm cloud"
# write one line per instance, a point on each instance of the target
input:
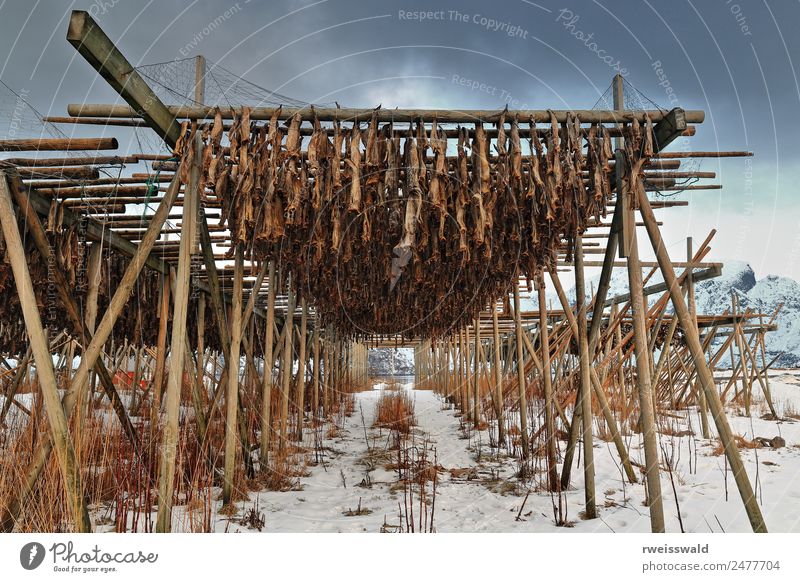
(731, 59)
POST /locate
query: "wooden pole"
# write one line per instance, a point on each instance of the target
(232, 397)
(549, 421)
(523, 398)
(169, 440)
(301, 369)
(643, 378)
(266, 380)
(601, 400)
(693, 311)
(40, 348)
(316, 378)
(704, 373)
(386, 115)
(93, 276)
(99, 51)
(585, 386)
(161, 349)
(286, 365)
(58, 144)
(476, 417)
(498, 380)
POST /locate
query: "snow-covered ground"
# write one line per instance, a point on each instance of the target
(491, 500)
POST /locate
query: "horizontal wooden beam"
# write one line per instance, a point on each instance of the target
(385, 115)
(65, 144)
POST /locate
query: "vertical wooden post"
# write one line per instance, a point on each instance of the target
(199, 80)
(317, 372)
(585, 376)
(169, 443)
(40, 348)
(301, 369)
(498, 379)
(464, 365)
(161, 349)
(643, 379)
(266, 380)
(201, 339)
(701, 397)
(286, 365)
(476, 417)
(601, 400)
(327, 354)
(550, 429)
(93, 276)
(232, 397)
(523, 397)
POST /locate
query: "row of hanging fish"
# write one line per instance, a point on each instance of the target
(407, 230)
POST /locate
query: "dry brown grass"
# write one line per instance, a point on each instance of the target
(741, 442)
(395, 411)
(285, 470)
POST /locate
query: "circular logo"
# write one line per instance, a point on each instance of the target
(31, 555)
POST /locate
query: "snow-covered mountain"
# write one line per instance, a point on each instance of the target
(391, 361)
(714, 297)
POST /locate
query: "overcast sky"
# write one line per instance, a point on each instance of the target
(735, 61)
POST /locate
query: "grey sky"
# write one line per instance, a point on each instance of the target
(734, 60)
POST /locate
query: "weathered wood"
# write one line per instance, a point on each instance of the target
(286, 366)
(385, 115)
(643, 379)
(169, 439)
(498, 379)
(301, 370)
(64, 172)
(703, 371)
(523, 398)
(266, 380)
(547, 382)
(90, 41)
(232, 396)
(65, 144)
(62, 287)
(599, 393)
(316, 372)
(65, 451)
(49, 163)
(161, 349)
(585, 398)
(476, 417)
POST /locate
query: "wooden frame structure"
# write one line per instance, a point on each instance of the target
(508, 366)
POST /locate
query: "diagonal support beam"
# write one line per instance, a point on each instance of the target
(93, 350)
(40, 347)
(100, 52)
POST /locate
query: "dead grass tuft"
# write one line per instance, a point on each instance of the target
(395, 411)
